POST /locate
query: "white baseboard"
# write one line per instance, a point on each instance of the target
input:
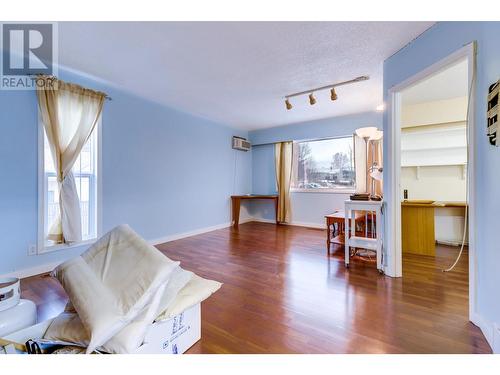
(490, 330)
(307, 225)
(451, 243)
(32, 271)
(178, 236)
(262, 220)
(293, 223)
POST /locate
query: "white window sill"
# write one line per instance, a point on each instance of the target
(63, 246)
(323, 191)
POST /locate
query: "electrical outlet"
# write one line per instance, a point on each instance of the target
(32, 249)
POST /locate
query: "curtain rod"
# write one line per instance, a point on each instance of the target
(357, 79)
(325, 138)
(106, 96)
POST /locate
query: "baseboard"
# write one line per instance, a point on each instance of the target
(32, 271)
(262, 220)
(178, 236)
(490, 330)
(293, 223)
(307, 225)
(451, 243)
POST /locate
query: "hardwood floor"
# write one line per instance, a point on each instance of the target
(283, 294)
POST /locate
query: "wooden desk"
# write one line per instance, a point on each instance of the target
(236, 203)
(450, 204)
(417, 227)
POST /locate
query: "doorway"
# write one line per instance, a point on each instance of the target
(430, 144)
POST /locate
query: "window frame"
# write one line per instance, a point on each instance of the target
(41, 246)
(327, 190)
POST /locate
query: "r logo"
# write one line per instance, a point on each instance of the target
(28, 48)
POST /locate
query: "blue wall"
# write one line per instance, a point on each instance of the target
(434, 45)
(263, 181)
(330, 127)
(164, 172)
(307, 208)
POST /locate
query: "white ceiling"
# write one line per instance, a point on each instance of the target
(237, 72)
(447, 84)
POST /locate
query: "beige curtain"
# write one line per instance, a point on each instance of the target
(283, 153)
(69, 114)
(360, 166)
(375, 154)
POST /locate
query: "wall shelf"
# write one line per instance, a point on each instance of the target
(442, 145)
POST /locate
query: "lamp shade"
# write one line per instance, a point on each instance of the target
(366, 132)
(377, 135)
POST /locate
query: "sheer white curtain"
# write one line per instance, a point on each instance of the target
(69, 114)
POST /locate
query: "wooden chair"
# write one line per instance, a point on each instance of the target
(335, 224)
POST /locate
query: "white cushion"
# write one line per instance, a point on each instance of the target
(116, 281)
(177, 281)
(196, 290)
(69, 328)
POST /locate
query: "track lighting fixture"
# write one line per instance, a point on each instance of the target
(312, 99)
(333, 93)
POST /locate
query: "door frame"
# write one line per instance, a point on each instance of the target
(394, 266)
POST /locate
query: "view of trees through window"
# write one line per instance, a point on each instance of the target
(324, 164)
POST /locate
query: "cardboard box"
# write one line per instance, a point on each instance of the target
(173, 336)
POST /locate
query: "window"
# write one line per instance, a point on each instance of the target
(86, 178)
(326, 165)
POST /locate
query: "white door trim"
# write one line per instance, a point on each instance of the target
(394, 265)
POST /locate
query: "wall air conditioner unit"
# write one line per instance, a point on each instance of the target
(241, 144)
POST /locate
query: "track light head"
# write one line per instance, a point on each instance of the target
(333, 94)
(312, 100)
(288, 104)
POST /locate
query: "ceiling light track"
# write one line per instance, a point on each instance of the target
(333, 94)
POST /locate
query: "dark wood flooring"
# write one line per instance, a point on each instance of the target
(283, 294)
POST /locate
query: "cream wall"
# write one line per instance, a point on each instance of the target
(435, 112)
(434, 149)
(439, 183)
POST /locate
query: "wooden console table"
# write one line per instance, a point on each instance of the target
(236, 203)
